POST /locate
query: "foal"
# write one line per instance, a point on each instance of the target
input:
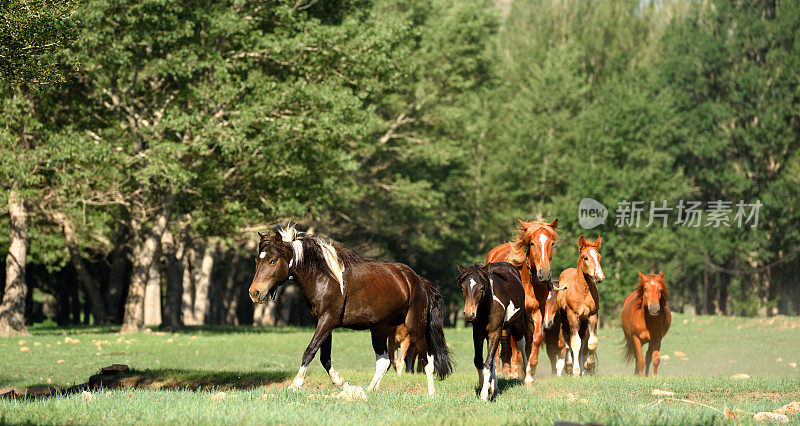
(580, 302)
(642, 325)
(494, 300)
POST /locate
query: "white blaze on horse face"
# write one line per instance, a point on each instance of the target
(542, 240)
(262, 255)
(472, 284)
(598, 270)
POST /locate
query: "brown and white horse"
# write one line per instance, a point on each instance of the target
(344, 290)
(530, 252)
(493, 302)
(580, 301)
(645, 319)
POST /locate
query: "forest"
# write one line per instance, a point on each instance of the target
(144, 143)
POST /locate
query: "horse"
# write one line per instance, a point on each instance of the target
(530, 252)
(342, 289)
(399, 340)
(493, 301)
(649, 325)
(580, 302)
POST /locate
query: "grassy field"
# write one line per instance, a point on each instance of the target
(254, 366)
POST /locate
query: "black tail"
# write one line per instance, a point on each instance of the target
(434, 332)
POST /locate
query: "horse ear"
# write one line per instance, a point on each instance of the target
(641, 276)
(522, 225)
(460, 268)
(661, 274)
(597, 242)
(276, 236)
(581, 242)
(554, 224)
(260, 235)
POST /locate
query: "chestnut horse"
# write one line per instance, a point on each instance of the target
(344, 290)
(646, 319)
(580, 301)
(530, 253)
(493, 302)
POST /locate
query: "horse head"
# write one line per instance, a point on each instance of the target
(472, 279)
(654, 292)
(589, 259)
(536, 239)
(272, 267)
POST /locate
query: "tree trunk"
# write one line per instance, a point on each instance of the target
(152, 293)
(173, 255)
(12, 308)
(203, 283)
(117, 275)
(86, 279)
(144, 256)
(189, 260)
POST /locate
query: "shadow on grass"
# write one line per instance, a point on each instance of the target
(502, 384)
(52, 329)
(160, 379)
(195, 379)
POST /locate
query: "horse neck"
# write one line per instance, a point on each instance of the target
(584, 284)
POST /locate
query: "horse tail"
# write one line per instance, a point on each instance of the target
(629, 353)
(434, 331)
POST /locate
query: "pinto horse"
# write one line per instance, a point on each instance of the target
(493, 302)
(580, 301)
(530, 252)
(645, 319)
(344, 290)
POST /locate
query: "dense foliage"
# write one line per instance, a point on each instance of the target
(409, 130)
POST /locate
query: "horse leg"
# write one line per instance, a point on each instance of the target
(324, 327)
(655, 347)
(400, 361)
(391, 347)
(524, 345)
(325, 359)
(591, 343)
(575, 343)
(381, 358)
(648, 358)
(478, 336)
(637, 351)
(416, 321)
(537, 338)
(489, 378)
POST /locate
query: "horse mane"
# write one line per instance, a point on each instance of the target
(321, 256)
(522, 243)
(473, 268)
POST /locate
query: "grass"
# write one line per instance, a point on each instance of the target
(254, 366)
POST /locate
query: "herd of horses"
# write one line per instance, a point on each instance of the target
(511, 302)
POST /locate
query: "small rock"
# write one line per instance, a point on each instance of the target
(21, 342)
(24, 349)
(779, 359)
(170, 340)
(740, 376)
(218, 397)
(87, 396)
(61, 361)
(789, 409)
(193, 337)
(71, 340)
(37, 344)
(665, 357)
(771, 417)
(793, 365)
(680, 354)
(659, 392)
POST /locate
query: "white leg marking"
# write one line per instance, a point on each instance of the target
(336, 378)
(487, 377)
(429, 374)
(510, 311)
(381, 366)
(575, 346)
(298, 381)
(560, 365)
(493, 387)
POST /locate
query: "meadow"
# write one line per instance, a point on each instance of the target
(253, 366)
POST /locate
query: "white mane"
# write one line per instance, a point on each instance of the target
(289, 235)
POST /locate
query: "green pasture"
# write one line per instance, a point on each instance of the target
(254, 366)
